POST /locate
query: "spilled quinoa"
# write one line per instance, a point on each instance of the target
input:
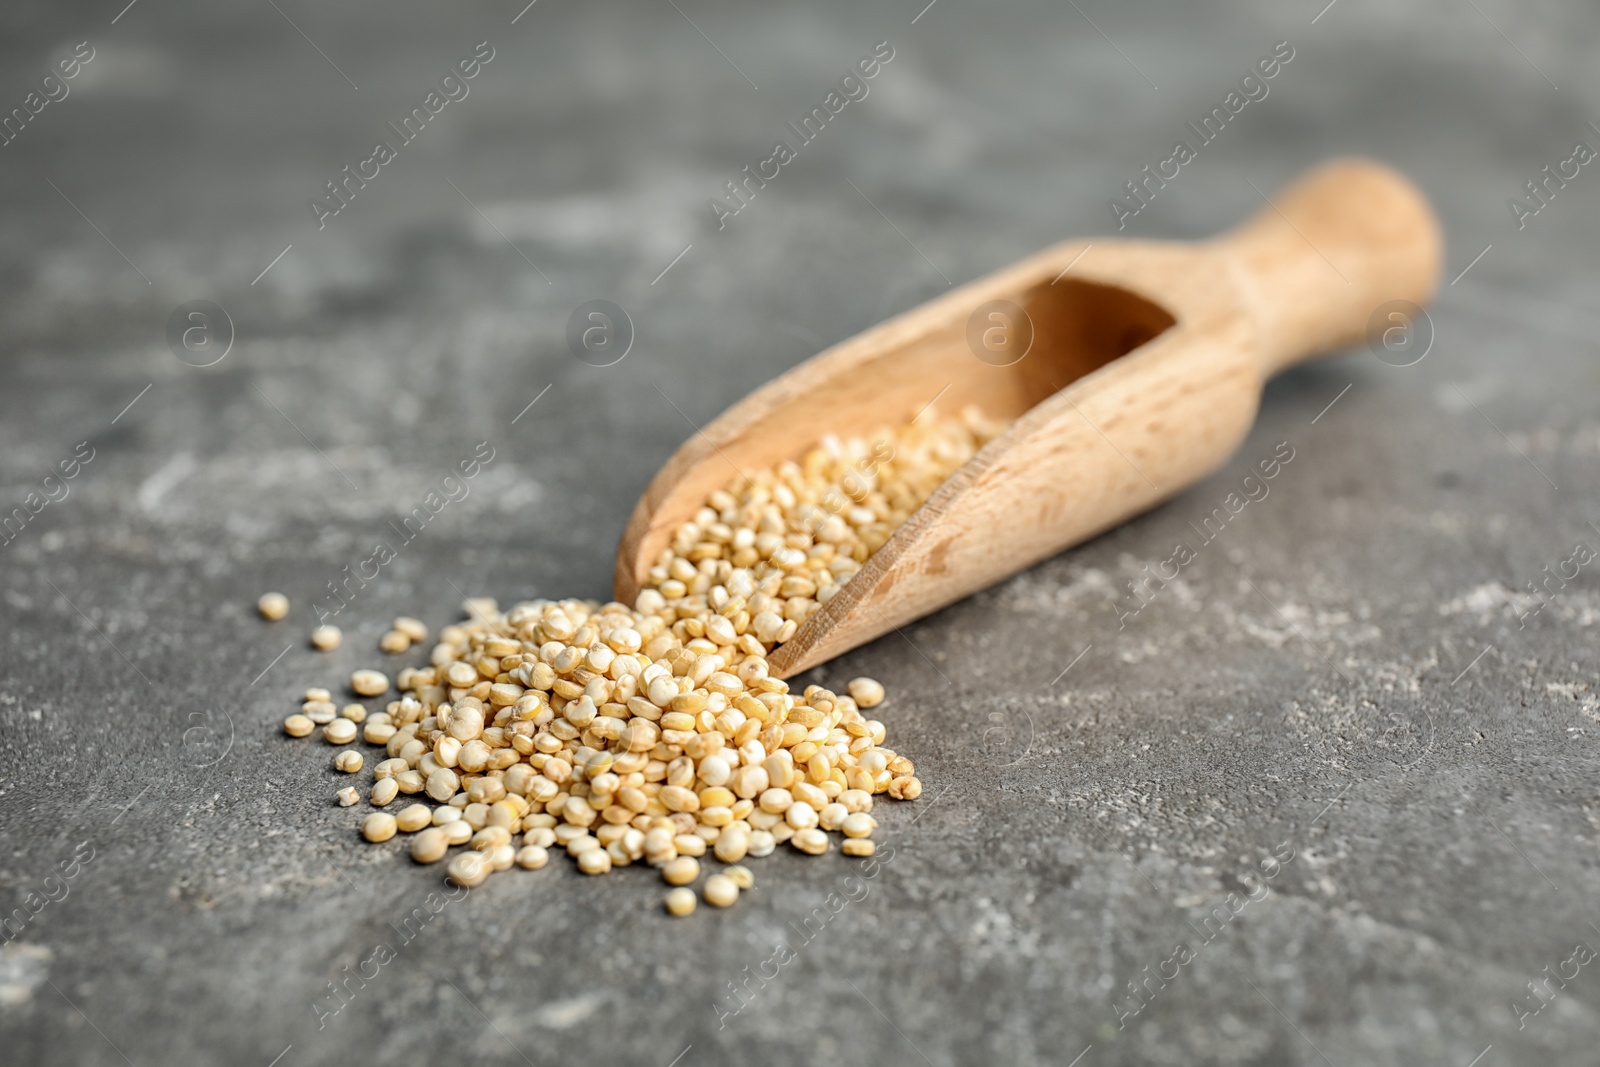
(655, 733)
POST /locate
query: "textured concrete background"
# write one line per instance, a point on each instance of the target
(1341, 677)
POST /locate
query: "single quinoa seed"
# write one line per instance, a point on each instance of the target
(326, 638)
(273, 606)
(369, 683)
(379, 826)
(811, 841)
(866, 692)
(412, 629)
(721, 891)
(681, 901)
(468, 869)
(681, 871)
(340, 732)
(413, 817)
(321, 712)
(859, 824)
(430, 845)
(655, 734)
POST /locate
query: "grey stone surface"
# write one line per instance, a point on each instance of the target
(1341, 673)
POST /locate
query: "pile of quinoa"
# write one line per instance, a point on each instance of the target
(654, 734)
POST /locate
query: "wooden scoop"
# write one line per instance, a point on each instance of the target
(1133, 369)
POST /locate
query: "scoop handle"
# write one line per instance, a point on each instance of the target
(1323, 255)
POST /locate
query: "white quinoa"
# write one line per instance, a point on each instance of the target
(654, 733)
